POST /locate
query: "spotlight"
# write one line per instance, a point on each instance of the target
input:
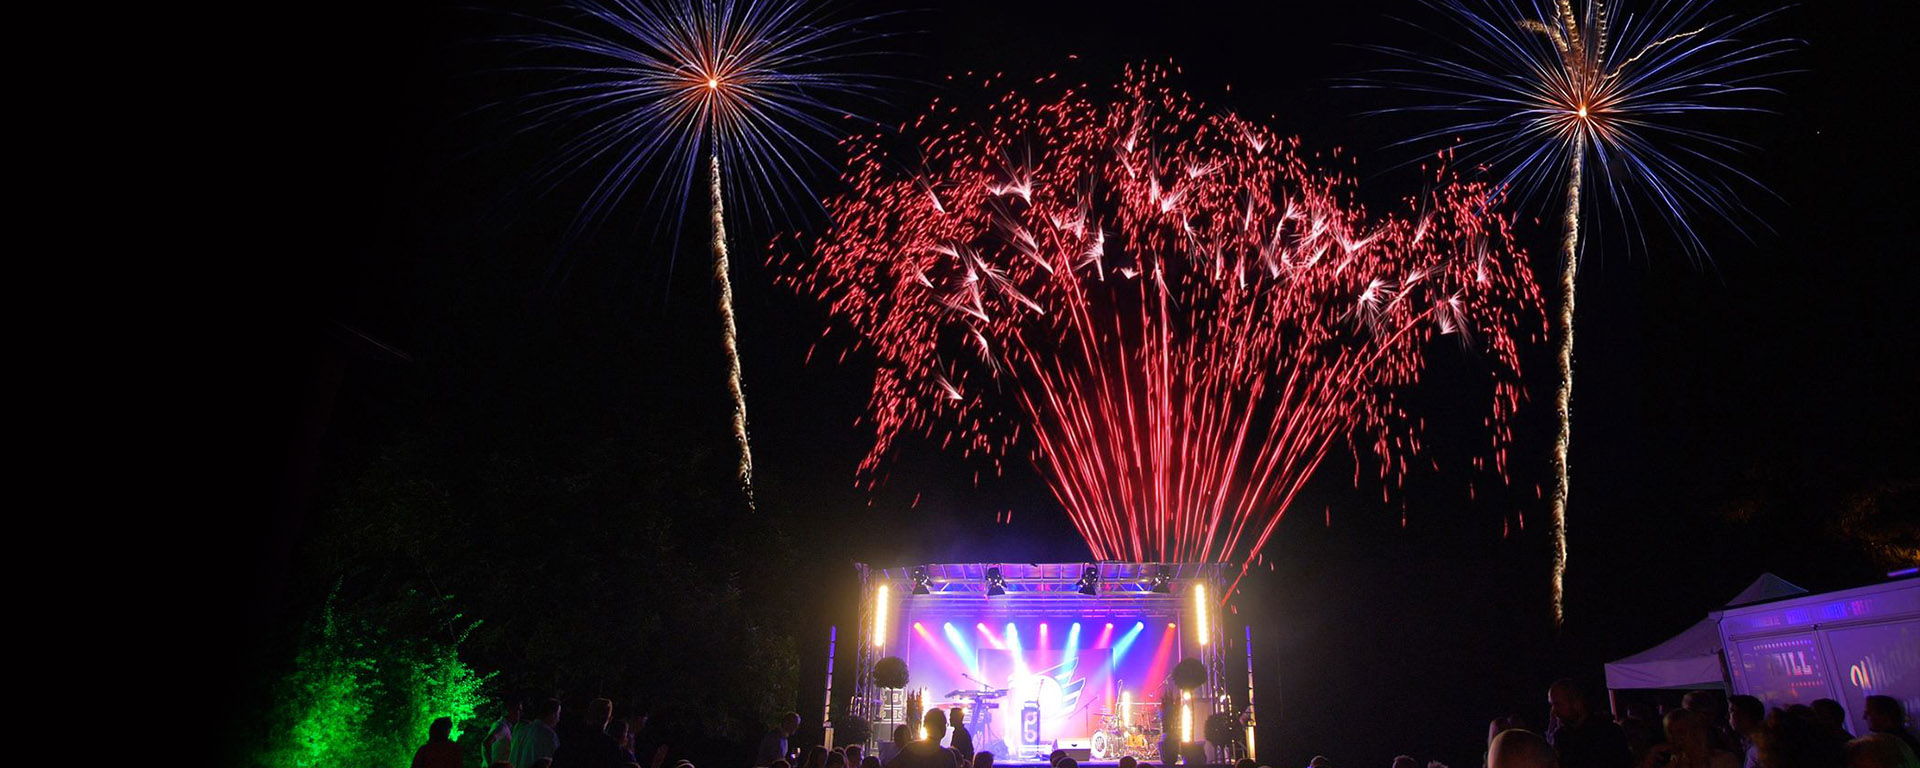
(1163, 581)
(921, 581)
(1090, 581)
(996, 584)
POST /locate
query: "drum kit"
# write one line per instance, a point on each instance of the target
(1134, 735)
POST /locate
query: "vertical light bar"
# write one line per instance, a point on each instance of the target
(833, 639)
(1252, 716)
(1186, 717)
(1126, 709)
(880, 617)
(1200, 611)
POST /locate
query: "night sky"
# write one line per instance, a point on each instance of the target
(1724, 411)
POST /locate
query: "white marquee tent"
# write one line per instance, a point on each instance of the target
(1691, 660)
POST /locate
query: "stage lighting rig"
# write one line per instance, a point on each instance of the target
(1090, 581)
(996, 584)
(921, 581)
(1163, 581)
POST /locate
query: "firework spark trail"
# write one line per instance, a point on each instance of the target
(650, 86)
(1164, 308)
(1563, 395)
(1547, 92)
(722, 274)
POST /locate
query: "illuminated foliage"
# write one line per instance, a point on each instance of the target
(359, 694)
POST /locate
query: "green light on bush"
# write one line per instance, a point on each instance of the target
(362, 695)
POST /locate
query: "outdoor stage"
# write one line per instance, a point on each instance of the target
(1075, 656)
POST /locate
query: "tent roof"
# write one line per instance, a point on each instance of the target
(1691, 659)
(1767, 587)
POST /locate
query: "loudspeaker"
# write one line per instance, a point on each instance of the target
(1081, 750)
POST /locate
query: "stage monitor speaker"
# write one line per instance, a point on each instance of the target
(1081, 750)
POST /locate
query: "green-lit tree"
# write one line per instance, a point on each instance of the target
(360, 693)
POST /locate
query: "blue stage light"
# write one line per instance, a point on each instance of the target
(1125, 642)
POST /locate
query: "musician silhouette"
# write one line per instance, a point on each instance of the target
(962, 739)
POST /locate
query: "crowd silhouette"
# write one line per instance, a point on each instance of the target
(1705, 731)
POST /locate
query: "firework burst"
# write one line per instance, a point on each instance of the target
(684, 88)
(1609, 103)
(1165, 309)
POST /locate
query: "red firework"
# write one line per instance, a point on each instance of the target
(1168, 311)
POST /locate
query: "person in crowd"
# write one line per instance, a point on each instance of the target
(927, 752)
(439, 751)
(773, 746)
(816, 757)
(854, 753)
(1499, 725)
(870, 761)
(1832, 717)
(1128, 761)
(1746, 716)
(901, 735)
(1582, 739)
(1399, 761)
(1641, 729)
(1791, 739)
(594, 719)
(983, 760)
(1886, 715)
(1880, 750)
(493, 747)
(1054, 757)
(836, 759)
(534, 738)
(962, 738)
(1520, 748)
(1067, 762)
(1708, 704)
(544, 762)
(647, 748)
(587, 744)
(1689, 744)
(622, 735)
(1319, 761)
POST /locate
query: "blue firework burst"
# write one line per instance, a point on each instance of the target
(1632, 92)
(654, 88)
